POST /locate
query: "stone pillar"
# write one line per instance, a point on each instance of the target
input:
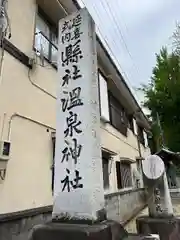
(78, 192)
(153, 169)
(160, 220)
(78, 208)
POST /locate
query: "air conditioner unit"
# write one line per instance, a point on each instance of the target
(4, 150)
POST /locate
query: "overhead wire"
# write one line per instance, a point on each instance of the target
(116, 24)
(114, 43)
(121, 16)
(105, 38)
(122, 36)
(107, 8)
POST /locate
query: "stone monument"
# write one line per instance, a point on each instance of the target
(161, 219)
(79, 206)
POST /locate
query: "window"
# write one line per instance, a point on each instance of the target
(118, 174)
(6, 148)
(105, 163)
(117, 115)
(141, 135)
(130, 123)
(124, 176)
(46, 40)
(104, 103)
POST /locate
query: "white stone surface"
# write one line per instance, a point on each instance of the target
(153, 167)
(81, 203)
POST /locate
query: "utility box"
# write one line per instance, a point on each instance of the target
(4, 150)
(4, 157)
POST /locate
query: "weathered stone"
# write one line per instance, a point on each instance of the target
(167, 228)
(107, 230)
(121, 206)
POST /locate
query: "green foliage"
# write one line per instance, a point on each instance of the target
(154, 138)
(162, 96)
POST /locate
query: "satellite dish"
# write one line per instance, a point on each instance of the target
(153, 167)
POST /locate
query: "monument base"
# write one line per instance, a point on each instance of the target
(167, 228)
(106, 230)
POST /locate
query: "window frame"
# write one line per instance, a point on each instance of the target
(106, 157)
(131, 124)
(119, 176)
(52, 31)
(127, 165)
(119, 109)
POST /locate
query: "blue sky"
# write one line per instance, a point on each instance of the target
(135, 30)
